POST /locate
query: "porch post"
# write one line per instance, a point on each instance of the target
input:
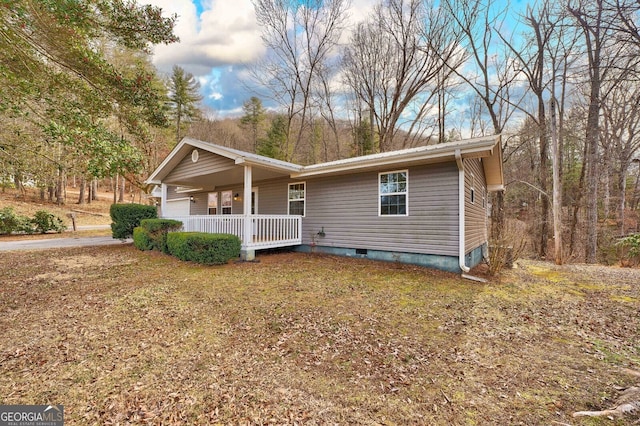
(247, 253)
(163, 200)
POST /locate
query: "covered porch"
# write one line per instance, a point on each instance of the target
(195, 170)
(265, 231)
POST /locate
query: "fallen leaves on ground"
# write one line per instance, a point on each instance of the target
(120, 336)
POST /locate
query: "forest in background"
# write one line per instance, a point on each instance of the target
(81, 101)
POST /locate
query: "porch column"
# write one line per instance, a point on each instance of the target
(163, 200)
(247, 253)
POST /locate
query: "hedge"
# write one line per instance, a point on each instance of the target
(156, 232)
(125, 217)
(142, 239)
(201, 247)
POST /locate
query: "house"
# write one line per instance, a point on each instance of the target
(425, 205)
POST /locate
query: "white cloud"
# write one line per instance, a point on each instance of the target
(224, 33)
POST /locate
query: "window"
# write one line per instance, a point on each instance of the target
(227, 200)
(297, 196)
(212, 203)
(393, 191)
(472, 194)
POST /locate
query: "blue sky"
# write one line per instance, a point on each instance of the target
(219, 39)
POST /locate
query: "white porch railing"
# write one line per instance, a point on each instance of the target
(269, 231)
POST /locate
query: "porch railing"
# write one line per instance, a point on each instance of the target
(268, 231)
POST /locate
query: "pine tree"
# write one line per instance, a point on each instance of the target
(184, 96)
(253, 117)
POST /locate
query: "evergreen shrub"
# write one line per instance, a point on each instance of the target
(125, 217)
(157, 230)
(43, 222)
(11, 222)
(141, 239)
(200, 247)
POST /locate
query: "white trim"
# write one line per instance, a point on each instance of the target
(187, 189)
(217, 206)
(405, 193)
(222, 206)
(304, 199)
(472, 189)
(488, 146)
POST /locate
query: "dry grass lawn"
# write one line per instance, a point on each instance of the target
(120, 336)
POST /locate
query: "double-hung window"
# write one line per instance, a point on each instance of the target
(393, 191)
(297, 198)
(227, 200)
(212, 203)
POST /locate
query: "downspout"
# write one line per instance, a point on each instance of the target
(461, 213)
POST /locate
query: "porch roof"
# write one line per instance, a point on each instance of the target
(186, 145)
(488, 148)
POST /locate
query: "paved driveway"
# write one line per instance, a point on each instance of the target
(60, 243)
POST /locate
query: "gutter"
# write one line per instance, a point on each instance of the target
(461, 213)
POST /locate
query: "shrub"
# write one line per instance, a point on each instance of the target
(157, 230)
(210, 249)
(44, 221)
(141, 239)
(125, 217)
(630, 246)
(11, 222)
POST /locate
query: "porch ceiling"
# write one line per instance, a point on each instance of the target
(231, 177)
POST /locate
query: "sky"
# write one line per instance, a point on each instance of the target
(219, 40)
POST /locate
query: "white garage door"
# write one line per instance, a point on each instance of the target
(179, 207)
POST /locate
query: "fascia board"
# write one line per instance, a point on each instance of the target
(478, 149)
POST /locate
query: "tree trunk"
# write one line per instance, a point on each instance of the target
(622, 184)
(121, 190)
(557, 188)
(591, 140)
(544, 154)
(94, 189)
(83, 190)
(578, 202)
(60, 187)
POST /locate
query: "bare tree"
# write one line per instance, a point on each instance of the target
(605, 53)
(474, 24)
(393, 64)
(621, 136)
(300, 35)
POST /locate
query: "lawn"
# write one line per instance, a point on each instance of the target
(120, 336)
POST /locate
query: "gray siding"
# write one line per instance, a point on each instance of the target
(172, 194)
(207, 163)
(347, 207)
(476, 212)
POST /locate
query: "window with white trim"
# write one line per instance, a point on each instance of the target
(393, 191)
(297, 198)
(472, 190)
(227, 200)
(212, 203)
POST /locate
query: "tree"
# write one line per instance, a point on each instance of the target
(274, 144)
(254, 115)
(183, 96)
(392, 63)
(474, 24)
(301, 36)
(593, 19)
(56, 74)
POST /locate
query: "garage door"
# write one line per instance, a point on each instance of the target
(179, 207)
